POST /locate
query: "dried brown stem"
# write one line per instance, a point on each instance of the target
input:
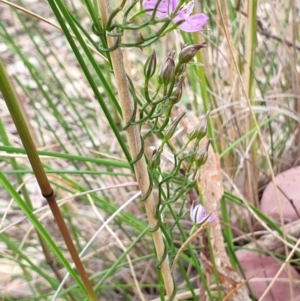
(70, 245)
(134, 141)
(265, 32)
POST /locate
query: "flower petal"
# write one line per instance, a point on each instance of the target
(188, 8)
(180, 16)
(192, 211)
(173, 5)
(183, 13)
(192, 23)
(212, 217)
(199, 214)
(162, 9)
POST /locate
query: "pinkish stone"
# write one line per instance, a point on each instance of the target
(257, 267)
(289, 183)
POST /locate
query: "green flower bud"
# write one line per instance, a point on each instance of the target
(193, 155)
(200, 130)
(177, 91)
(180, 69)
(167, 70)
(155, 160)
(176, 95)
(150, 66)
(188, 52)
(179, 80)
(201, 155)
(172, 127)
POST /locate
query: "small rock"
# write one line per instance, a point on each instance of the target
(261, 269)
(288, 183)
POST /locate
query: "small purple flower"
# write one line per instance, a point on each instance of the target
(167, 7)
(198, 214)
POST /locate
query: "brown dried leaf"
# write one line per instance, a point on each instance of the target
(210, 184)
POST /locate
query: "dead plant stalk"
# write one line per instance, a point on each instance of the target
(133, 137)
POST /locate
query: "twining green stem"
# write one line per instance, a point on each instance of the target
(46, 189)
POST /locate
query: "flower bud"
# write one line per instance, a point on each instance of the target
(199, 131)
(180, 69)
(176, 95)
(198, 214)
(172, 127)
(155, 160)
(167, 70)
(179, 80)
(188, 52)
(177, 91)
(201, 155)
(150, 66)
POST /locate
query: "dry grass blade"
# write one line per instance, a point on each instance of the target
(189, 240)
(271, 243)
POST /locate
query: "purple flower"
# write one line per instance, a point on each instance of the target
(198, 214)
(166, 7)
